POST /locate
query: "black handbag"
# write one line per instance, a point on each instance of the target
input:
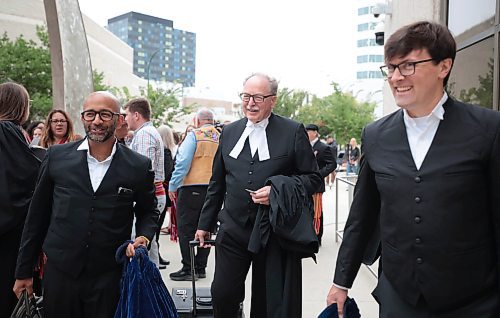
(28, 307)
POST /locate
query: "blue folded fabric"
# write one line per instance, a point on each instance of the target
(143, 293)
(351, 310)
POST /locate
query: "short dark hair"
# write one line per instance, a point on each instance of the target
(140, 105)
(434, 37)
(14, 102)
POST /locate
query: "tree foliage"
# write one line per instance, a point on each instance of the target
(289, 102)
(28, 63)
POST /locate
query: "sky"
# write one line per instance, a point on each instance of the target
(303, 44)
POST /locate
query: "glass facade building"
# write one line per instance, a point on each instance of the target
(475, 75)
(161, 53)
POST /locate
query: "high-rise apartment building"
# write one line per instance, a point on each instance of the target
(369, 56)
(161, 53)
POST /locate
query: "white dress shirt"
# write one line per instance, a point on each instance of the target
(257, 138)
(421, 131)
(97, 169)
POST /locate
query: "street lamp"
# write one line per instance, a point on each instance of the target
(149, 63)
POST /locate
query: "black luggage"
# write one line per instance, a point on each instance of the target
(199, 303)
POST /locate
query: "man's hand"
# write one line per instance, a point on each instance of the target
(201, 236)
(339, 296)
(22, 284)
(139, 241)
(172, 195)
(261, 196)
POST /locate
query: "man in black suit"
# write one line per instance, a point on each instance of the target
(82, 211)
(250, 151)
(430, 177)
(326, 165)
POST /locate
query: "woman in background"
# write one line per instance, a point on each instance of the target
(58, 129)
(167, 137)
(18, 173)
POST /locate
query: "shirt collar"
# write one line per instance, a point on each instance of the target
(437, 113)
(85, 146)
(148, 123)
(263, 123)
(314, 141)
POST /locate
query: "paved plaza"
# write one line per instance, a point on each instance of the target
(316, 279)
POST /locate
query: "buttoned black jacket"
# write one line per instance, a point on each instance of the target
(81, 229)
(440, 225)
(290, 152)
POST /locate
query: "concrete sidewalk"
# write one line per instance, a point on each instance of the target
(316, 279)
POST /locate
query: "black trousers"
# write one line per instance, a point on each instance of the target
(89, 295)
(190, 200)
(232, 262)
(393, 306)
(9, 245)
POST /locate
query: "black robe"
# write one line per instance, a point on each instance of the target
(18, 172)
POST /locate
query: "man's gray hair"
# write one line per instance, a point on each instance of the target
(205, 114)
(273, 83)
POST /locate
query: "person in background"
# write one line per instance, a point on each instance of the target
(353, 159)
(58, 129)
(18, 173)
(326, 164)
(168, 144)
(330, 141)
(121, 132)
(252, 150)
(429, 184)
(84, 204)
(147, 141)
(35, 125)
(188, 187)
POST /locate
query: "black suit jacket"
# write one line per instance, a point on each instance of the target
(440, 225)
(325, 159)
(290, 153)
(81, 229)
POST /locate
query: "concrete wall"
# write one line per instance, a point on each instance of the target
(108, 54)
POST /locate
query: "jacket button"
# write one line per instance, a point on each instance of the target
(418, 240)
(417, 200)
(250, 172)
(417, 179)
(419, 260)
(418, 219)
(249, 181)
(91, 220)
(252, 162)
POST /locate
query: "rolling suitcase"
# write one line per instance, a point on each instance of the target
(195, 302)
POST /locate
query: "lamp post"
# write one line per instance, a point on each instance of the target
(149, 64)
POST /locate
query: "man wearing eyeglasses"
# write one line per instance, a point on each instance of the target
(430, 178)
(252, 151)
(82, 211)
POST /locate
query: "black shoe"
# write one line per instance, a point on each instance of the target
(162, 266)
(164, 262)
(201, 273)
(183, 274)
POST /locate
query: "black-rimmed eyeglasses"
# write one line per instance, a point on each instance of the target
(256, 98)
(105, 115)
(405, 68)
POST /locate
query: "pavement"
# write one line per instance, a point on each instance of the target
(316, 277)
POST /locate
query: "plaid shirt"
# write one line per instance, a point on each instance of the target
(147, 141)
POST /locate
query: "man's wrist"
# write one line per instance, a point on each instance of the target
(145, 238)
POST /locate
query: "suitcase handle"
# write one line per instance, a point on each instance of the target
(204, 301)
(197, 243)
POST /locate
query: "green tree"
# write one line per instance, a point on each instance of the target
(289, 102)
(28, 63)
(338, 113)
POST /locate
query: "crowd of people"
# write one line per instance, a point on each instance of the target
(426, 200)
